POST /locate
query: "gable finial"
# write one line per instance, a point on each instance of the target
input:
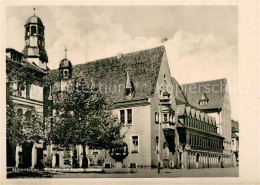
(34, 11)
(164, 39)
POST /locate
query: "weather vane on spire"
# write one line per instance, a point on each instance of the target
(65, 51)
(34, 11)
(164, 39)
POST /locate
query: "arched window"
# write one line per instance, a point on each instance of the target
(27, 31)
(33, 30)
(28, 114)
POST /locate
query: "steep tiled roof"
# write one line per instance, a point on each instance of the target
(34, 20)
(110, 73)
(22, 62)
(178, 93)
(214, 90)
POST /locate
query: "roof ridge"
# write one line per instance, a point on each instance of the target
(97, 60)
(162, 46)
(204, 81)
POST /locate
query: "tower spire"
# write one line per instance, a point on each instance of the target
(65, 51)
(34, 11)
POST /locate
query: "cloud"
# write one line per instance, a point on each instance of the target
(14, 33)
(106, 40)
(196, 57)
(192, 57)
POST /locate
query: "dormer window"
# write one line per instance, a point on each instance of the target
(164, 95)
(203, 100)
(129, 87)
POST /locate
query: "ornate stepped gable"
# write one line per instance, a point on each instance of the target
(183, 110)
(111, 72)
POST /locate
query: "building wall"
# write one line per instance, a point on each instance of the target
(226, 123)
(235, 144)
(36, 92)
(141, 126)
(223, 122)
(156, 129)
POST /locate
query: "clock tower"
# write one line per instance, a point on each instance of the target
(34, 50)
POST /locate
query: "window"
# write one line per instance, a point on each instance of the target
(135, 144)
(28, 87)
(129, 116)
(232, 142)
(164, 78)
(33, 30)
(156, 117)
(165, 118)
(27, 31)
(122, 116)
(133, 165)
(95, 152)
(157, 144)
(65, 72)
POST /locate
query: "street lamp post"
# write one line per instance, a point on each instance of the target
(188, 150)
(208, 157)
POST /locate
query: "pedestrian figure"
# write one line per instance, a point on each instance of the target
(222, 165)
(159, 167)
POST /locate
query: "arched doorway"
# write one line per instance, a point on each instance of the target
(57, 157)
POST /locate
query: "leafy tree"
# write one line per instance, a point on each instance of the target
(20, 128)
(83, 117)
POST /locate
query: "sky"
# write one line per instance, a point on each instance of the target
(202, 40)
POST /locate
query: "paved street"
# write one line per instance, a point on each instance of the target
(148, 173)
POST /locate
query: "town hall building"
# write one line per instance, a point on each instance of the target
(177, 130)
